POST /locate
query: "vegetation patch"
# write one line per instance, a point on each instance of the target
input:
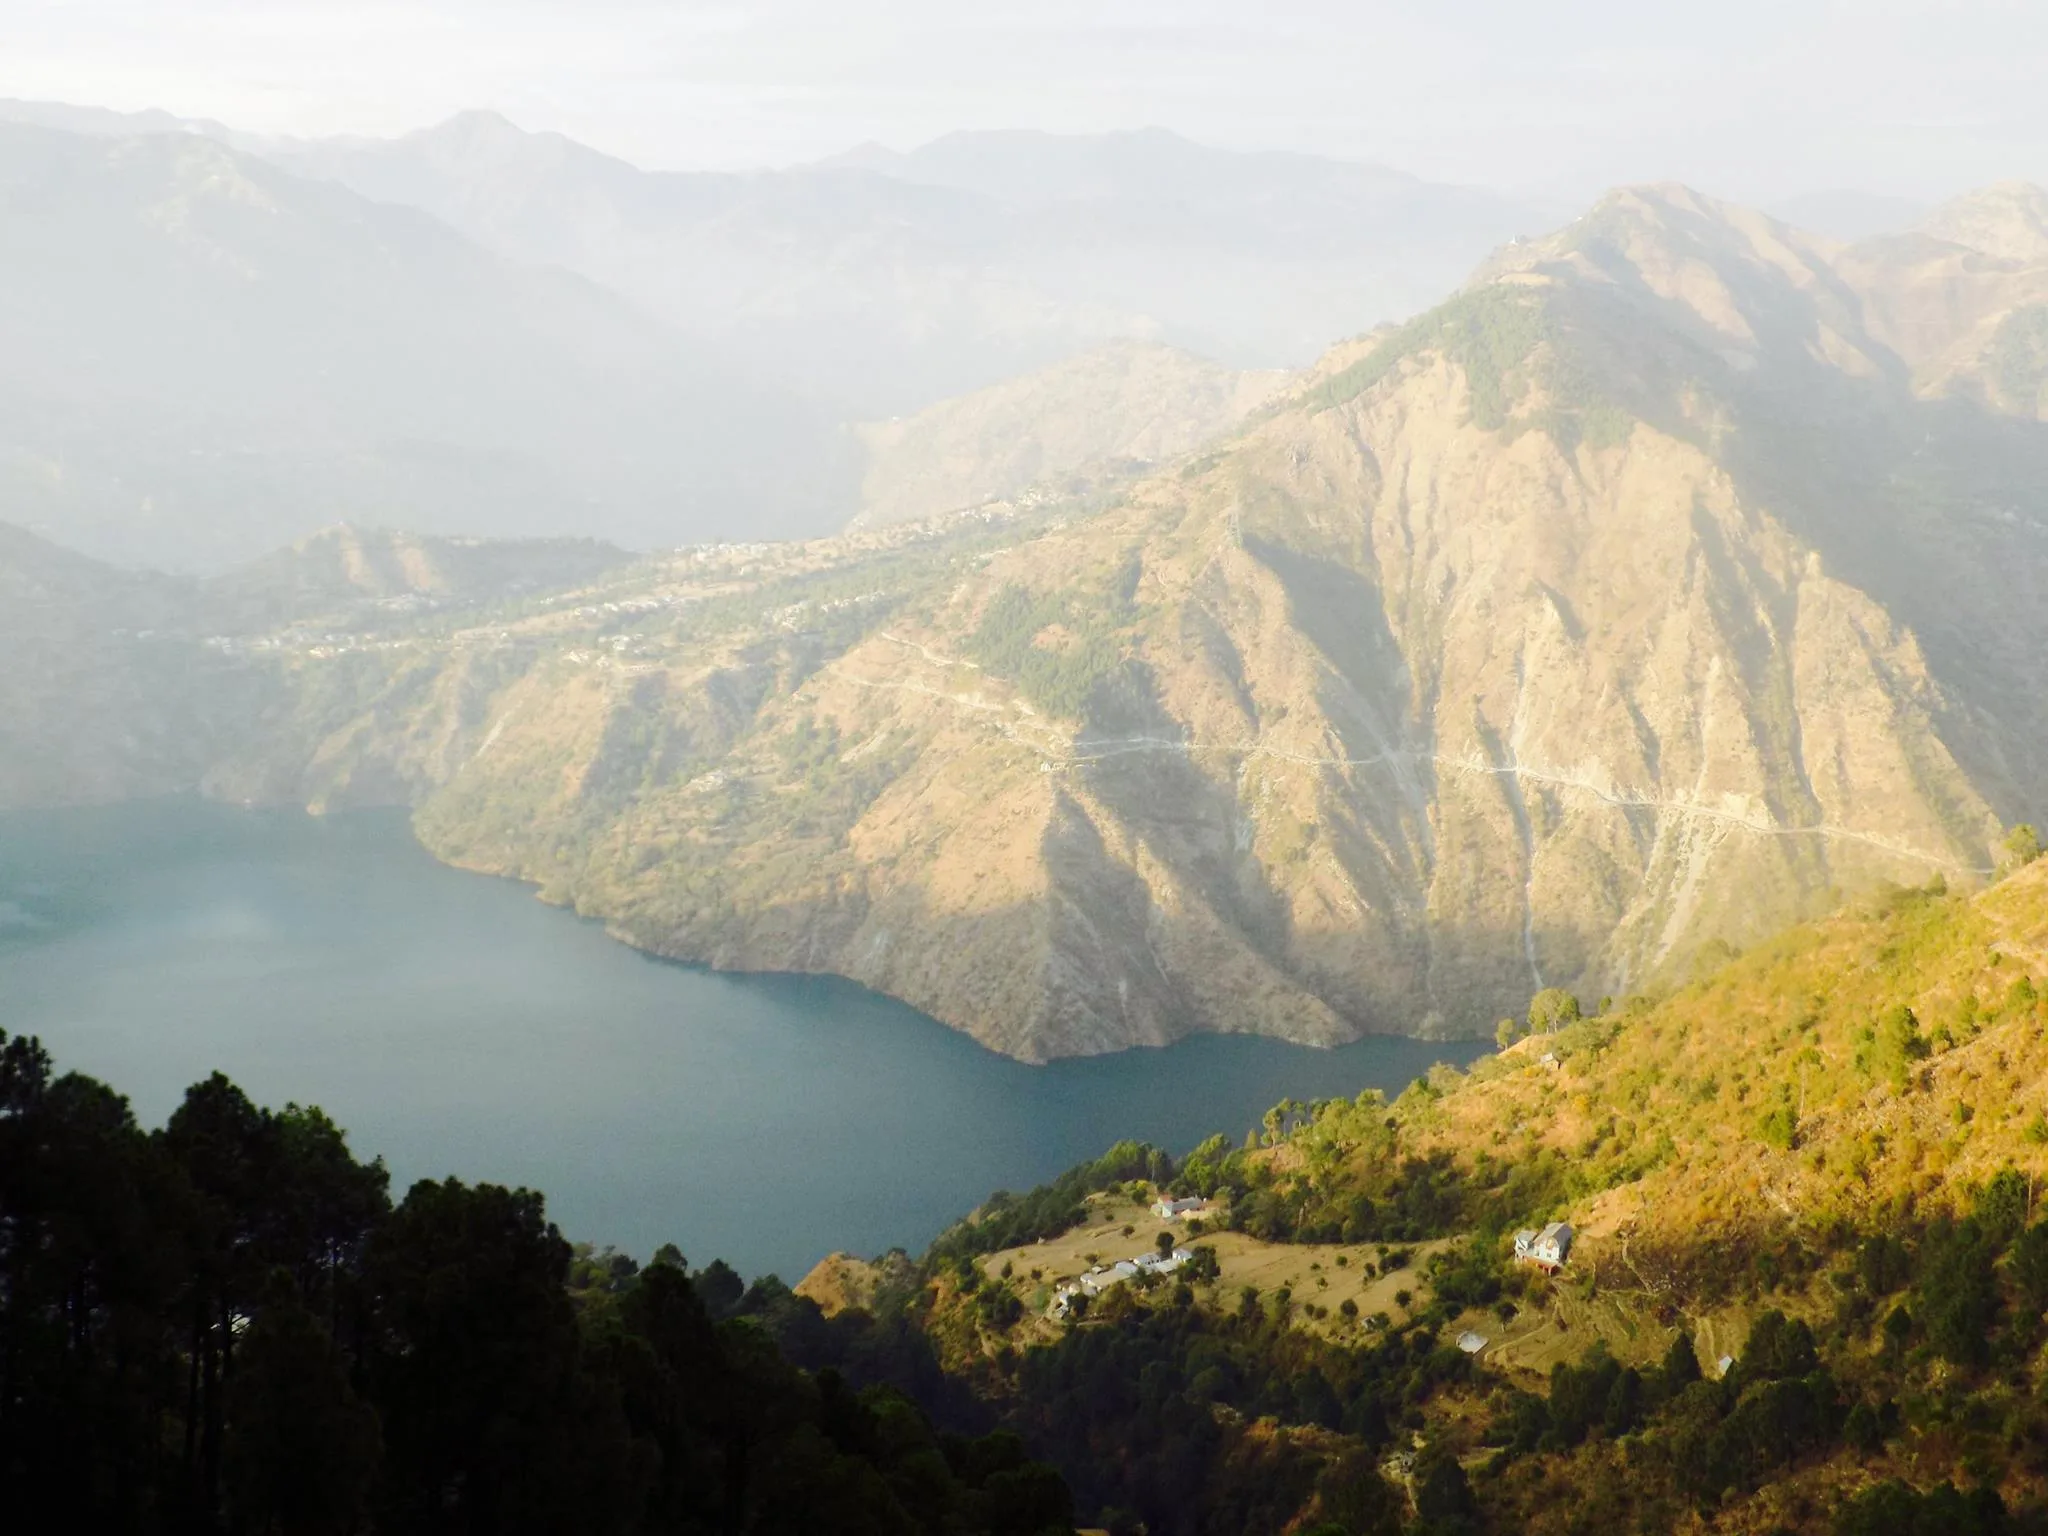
(2018, 363)
(1065, 652)
(1505, 339)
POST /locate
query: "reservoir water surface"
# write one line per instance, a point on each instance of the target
(455, 1025)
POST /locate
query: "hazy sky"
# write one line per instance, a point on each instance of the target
(1750, 98)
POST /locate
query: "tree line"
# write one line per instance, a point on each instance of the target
(228, 1326)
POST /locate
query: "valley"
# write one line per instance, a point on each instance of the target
(1519, 646)
(1048, 827)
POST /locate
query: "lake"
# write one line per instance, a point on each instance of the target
(455, 1025)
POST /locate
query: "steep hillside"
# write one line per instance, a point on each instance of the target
(1641, 596)
(1963, 298)
(130, 684)
(1803, 1282)
(1503, 656)
(202, 357)
(108, 692)
(1105, 416)
(1890, 1058)
(2008, 221)
(345, 570)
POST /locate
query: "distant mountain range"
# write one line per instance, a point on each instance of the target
(880, 282)
(1086, 424)
(271, 355)
(884, 282)
(216, 347)
(203, 356)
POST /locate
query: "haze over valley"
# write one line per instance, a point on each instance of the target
(759, 776)
(1677, 575)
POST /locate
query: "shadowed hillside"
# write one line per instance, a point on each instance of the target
(1640, 597)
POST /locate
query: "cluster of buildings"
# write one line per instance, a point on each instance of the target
(1103, 1276)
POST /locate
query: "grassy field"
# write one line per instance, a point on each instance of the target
(1558, 1320)
(1322, 1275)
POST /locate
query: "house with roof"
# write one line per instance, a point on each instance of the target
(1548, 1248)
(1163, 1263)
(1166, 1207)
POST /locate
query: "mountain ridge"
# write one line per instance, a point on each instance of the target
(1107, 415)
(1638, 598)
(206, 356)
(886, 288)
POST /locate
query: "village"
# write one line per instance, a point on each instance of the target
(1164, 1260)
(1340, 1290)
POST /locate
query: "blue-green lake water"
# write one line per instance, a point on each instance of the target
(455, 1025)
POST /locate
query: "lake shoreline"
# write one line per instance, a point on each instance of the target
(460, 1026)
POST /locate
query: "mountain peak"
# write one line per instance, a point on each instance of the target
(1662, 230)
(2008, 220)
(477, 124)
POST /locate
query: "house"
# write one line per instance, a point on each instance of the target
(1163, 1263)
(1549, 1248)
(1098, 1280)
(1471, 1342)
(1166, 1207)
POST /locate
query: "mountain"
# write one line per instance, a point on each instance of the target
(2008, 221)
(1780, 1266)
(129, 684)
(1796, 1205)
(202, 357)
(1963, 299)
(348, 570)
(1108, 415)
(883, 283)
(103, 122)
(1644, 596)
(108, 693)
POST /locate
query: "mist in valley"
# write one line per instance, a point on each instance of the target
(771, 618)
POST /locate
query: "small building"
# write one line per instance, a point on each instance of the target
(1471, 1342)
(1548, 1248)
(1097, 1280)
(1163, 1263)
(1166, 1207)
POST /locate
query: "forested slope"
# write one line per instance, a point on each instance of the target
(1808, 1291)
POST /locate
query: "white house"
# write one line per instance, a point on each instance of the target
(1549, 1248)
(1163, 1263)
(1098, 1279)
(1166, 1207)
(1471, 1342)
